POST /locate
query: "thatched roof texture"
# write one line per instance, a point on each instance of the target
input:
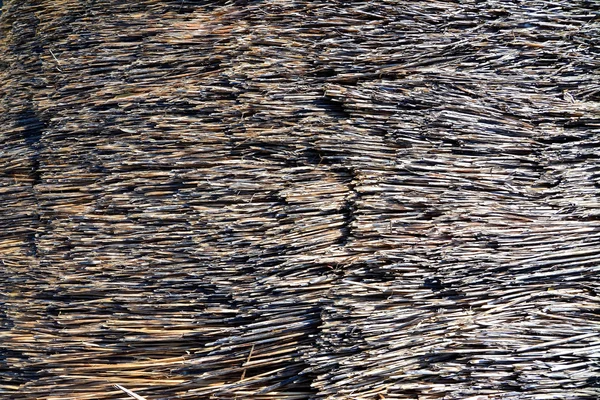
(300, 199)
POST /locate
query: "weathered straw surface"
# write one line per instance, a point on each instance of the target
(300, 199)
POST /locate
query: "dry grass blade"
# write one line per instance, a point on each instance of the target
(130, 393)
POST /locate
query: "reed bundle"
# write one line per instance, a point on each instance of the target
(300, 199)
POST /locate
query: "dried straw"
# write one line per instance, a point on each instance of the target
(292, 199)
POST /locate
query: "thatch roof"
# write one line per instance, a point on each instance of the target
(300, 199)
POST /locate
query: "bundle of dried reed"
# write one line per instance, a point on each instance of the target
(299, 199)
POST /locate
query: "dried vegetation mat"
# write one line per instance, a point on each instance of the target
(300, 199)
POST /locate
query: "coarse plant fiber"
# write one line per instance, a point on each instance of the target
(300, 199)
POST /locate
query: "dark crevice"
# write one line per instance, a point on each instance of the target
(32, 132)
(348, 213)
(349, 208)
(332, 107)
(312, 157)
(318, 157)
(35, 170)
(560, 139)
(324, 73)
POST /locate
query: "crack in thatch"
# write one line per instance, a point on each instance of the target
(32, 135)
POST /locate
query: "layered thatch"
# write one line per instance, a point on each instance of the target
(292, 199)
